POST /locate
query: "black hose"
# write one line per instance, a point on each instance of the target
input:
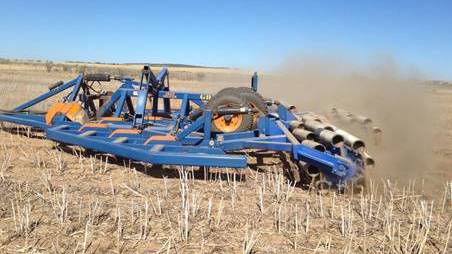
(97, 77)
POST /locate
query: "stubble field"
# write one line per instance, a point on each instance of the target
(57, 199)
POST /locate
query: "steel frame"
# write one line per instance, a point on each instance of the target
(174, 139)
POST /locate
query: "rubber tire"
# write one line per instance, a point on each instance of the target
(250, 97)
(234, 98)
(253, 97)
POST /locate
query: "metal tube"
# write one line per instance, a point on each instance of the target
(316, 126)
(330, 137)
(343, 115)
(302, 134)
(363, 119)
(310, 118)
(350, 140)
(310, 170)
(314, 145)
(376, 130)
(295, 124)
(368, 160)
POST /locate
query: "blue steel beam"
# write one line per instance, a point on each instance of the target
(75, 82)
(73, 95)
(325, 162)
(36, 121)
(195, 126)
(120, 105)
(238, 135)
(161, 158)
(184, 107)
(107, 106)
(181, 95)
(244, 143)
(162, 75)
(140, 109)
(268, 145)
(285, 114)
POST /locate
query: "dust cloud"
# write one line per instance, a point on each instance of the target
(394, 98)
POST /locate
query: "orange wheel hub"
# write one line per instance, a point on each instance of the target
(228, 124)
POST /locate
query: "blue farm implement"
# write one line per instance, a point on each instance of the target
(138, 121)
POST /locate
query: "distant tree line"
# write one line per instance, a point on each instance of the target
(123, 69)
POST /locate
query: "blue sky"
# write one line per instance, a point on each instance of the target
(249, 34)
